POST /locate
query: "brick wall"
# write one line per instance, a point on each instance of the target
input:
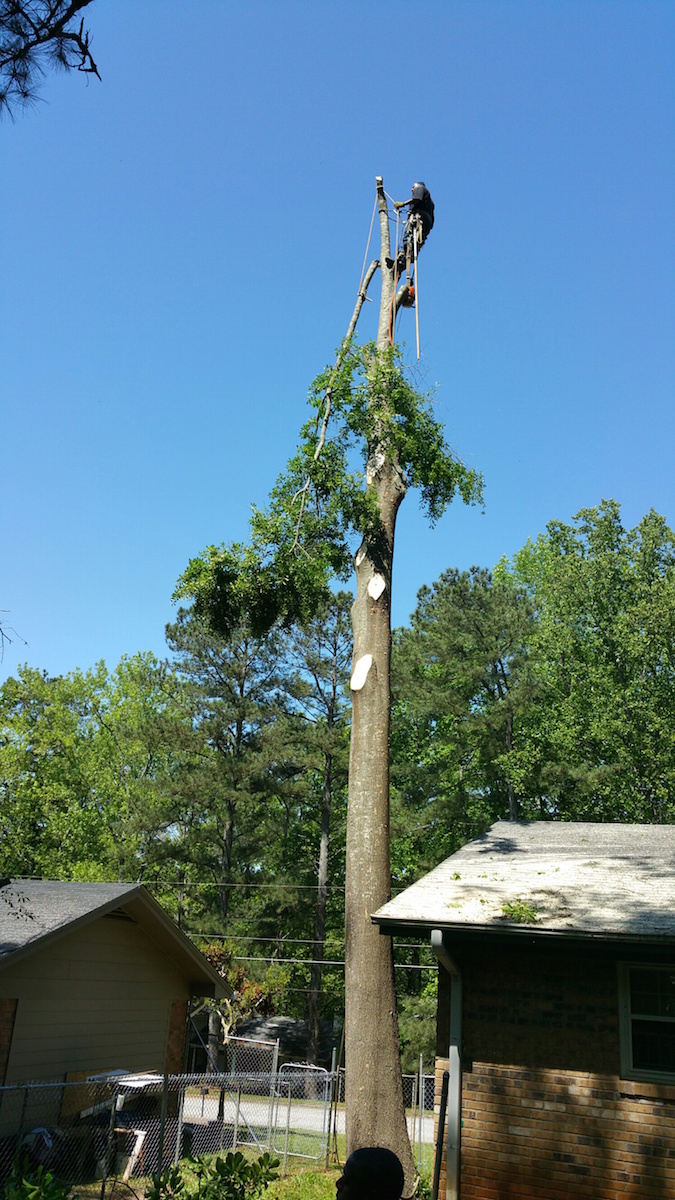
(441, 1066)
(545, 1113)
(174, 1062)
(7, 1015)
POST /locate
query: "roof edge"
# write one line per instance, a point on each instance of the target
(394, 927)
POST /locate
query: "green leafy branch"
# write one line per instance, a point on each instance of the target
(521, 912)
(303, 539)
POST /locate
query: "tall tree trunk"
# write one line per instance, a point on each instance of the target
(514, 812)
(314, 997)
(374, 1091)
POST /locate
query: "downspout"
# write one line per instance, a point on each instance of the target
(454, 1065)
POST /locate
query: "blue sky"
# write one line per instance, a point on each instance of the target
(180, 247)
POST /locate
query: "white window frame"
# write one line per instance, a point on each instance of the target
(628, 1071)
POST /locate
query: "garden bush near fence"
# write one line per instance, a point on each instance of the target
(233, 1177)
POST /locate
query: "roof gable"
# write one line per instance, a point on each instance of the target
(570, 878)
(31, 910)
(34, 913)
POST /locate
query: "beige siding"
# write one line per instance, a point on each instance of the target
(96, 999)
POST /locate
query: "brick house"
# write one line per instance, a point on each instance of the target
(556, 1009)
(93, 976)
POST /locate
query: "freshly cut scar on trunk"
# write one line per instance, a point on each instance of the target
(376, 587)
(360, 672)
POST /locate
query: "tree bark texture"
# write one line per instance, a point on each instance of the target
(374, 1096)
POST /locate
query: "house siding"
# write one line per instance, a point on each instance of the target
(98, 998)
(7, 1017)
(545, 1113)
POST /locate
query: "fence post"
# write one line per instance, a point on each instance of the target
(22, 1122)
(235, 1131)
(179, 1131)
(420, 1092)
(109, 1141)
(273, 1087)
(288, 1130)
(333, 1064)
(162, 1126)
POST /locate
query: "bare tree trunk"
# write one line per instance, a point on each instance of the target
(314, 997)
(514, 812)
(375, 1110)
(213, 1041)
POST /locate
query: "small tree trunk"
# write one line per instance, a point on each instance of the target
(213, 1041)
(374, 1091)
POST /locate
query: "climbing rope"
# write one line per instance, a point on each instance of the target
(392, 308)
(417, 309)
(365, 257)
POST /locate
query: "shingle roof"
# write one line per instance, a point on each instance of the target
(31, 909)
(35, 912)
(568, 878)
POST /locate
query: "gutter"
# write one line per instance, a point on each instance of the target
(455, 1066)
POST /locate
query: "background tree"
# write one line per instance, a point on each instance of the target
(320, 654)
(82, 763)
(599, 743)
(232, 770)
(461, 684)
(417, 1027)
(36, 35)
(546, 690)
(247, 998)
(302, 540)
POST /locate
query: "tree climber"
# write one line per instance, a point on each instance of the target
(417, 228)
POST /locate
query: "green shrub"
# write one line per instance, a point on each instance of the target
(34, 1183)
(230, 1178)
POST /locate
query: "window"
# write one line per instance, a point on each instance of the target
(647, 1022)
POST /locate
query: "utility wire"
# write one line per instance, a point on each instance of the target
(307, 887)
(302, 887)
(248, 937)
(322, 962)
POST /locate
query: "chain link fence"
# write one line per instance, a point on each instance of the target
(127, 1127)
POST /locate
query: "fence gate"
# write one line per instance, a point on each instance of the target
(301, 1111)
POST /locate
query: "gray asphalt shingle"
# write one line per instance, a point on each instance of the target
(557, 877)
(31, 909)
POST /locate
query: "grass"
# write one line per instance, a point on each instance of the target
(305, 1183)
